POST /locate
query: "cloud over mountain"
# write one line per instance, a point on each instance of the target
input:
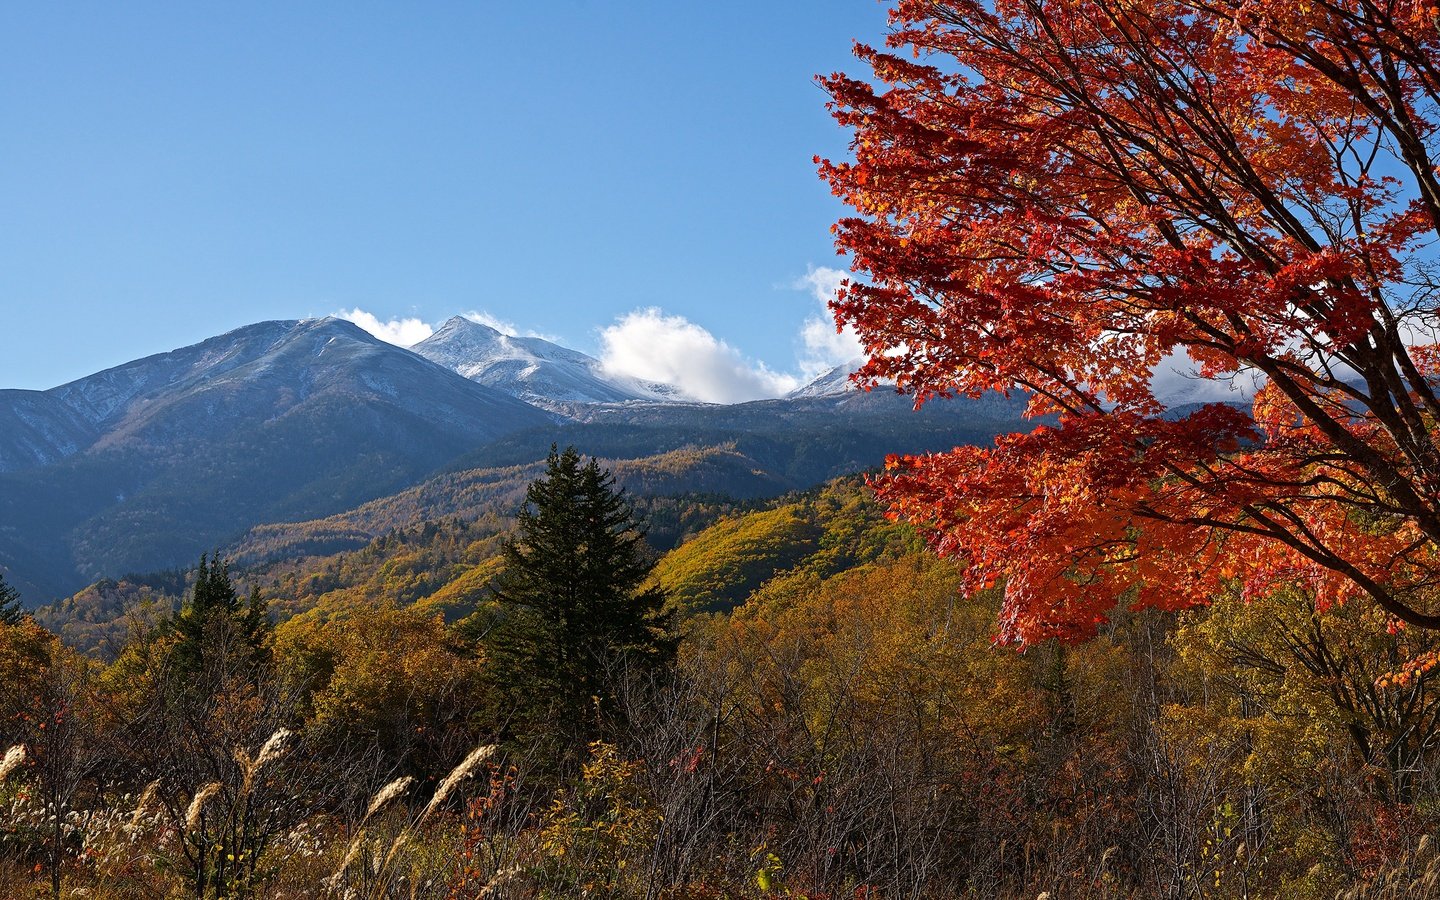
(401, 332)
(656, 347)
(822, 347)
(650, 345)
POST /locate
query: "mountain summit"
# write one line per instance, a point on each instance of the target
(531, 368)
(256, 374)
(834, 383)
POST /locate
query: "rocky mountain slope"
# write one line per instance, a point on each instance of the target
(832, 383)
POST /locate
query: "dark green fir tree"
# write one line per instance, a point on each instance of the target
(575, 610)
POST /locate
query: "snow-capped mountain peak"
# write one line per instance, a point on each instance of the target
(834, 383)
(531, 368)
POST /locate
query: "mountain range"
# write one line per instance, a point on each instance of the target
(146, 465)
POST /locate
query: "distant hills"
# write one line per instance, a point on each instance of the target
(144, 466)
(713, 553)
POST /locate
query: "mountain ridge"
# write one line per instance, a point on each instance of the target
(531, 368)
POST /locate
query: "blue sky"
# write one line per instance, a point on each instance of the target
(605, 174)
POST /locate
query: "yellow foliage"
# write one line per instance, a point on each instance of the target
(889, 646)
(388, 674)
(590, 835)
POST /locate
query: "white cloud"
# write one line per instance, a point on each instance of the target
(495, 322)
(824, 348)
(1176, 381)
(402, 332)
(650, 345)
(822, 282)
(506, 327)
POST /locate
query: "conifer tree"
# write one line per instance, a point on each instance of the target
(217, 622)
(11, 612)
(575, 605)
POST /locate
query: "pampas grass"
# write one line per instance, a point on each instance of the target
(271, 750)
(386, 794)
(381, 799)
(498, 881)
(13, 758)
(457, 775)
(333, 882)
(381, 864)
(1417, 874)
(147, 797)
(197, 805)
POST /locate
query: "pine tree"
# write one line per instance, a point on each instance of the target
(11, 612)
(575, 605)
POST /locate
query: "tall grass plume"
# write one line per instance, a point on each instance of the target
(147, 797)
(388, 793)
(457, 775)
(272, 749)
(13, 758)
(197, 805)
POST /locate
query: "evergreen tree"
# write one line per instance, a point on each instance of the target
(11, 612)
(217, 623)
(573, 598)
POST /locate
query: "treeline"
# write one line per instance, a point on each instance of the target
(848, 730)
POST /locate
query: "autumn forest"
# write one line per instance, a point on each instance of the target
(1128, 646)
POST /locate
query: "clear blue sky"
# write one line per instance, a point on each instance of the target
(172, 171)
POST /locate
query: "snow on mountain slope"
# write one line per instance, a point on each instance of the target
(834, 383)
(1174, 384)
(305, 363)
(531, 368)
(38, 428)
(246, 376)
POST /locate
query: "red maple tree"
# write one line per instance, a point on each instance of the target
(1066, 197)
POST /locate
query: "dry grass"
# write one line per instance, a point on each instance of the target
(1416, 877)
(458, 774)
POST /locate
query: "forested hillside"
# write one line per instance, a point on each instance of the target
(433, 544)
